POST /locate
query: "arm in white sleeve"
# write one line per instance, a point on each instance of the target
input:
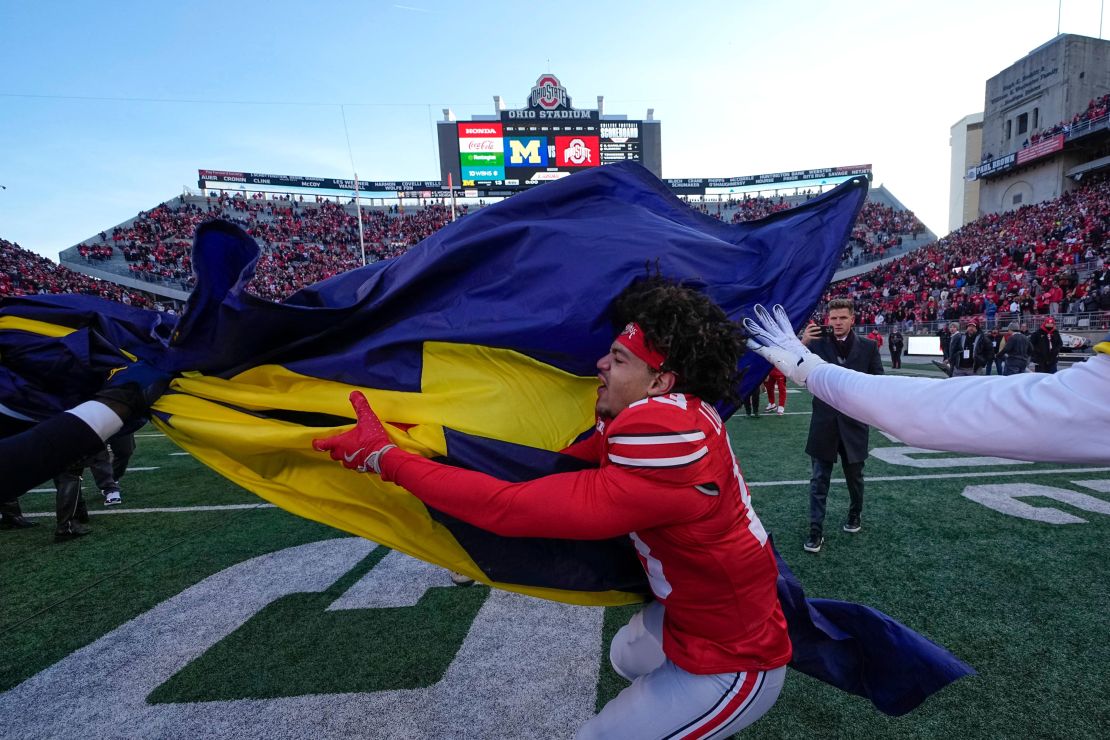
(48, 447)
(99, 417)
(1064, 417)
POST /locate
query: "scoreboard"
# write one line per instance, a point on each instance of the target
(547, 140)
(518, 152)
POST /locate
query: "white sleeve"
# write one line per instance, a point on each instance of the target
(99, 417)
(1064, 417)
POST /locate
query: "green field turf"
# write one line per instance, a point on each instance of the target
(1024, 602)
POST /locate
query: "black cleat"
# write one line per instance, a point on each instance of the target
(813, 544)
(853, 525)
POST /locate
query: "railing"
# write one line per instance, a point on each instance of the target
(1085, 127)
(1094, 321)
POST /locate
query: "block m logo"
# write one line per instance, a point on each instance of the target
(527, 152)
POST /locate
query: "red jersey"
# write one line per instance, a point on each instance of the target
(667, 477)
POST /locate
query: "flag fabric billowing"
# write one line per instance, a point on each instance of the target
(477, 347)
(863, 651)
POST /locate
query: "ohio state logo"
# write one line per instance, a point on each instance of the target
(577, 152)
(549, 93)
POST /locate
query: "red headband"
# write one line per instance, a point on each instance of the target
(633, 339)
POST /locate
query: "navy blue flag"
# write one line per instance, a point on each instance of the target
(477, 347)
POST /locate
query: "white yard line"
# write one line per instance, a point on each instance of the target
(129, 470)
(751, 484)
(772, 413)
(934, 476)
(165, 510)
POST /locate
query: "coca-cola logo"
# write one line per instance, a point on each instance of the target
(480, 145)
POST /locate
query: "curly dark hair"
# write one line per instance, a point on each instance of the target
(701, 345)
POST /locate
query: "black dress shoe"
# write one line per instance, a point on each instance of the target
(16, 522)
(72, 531)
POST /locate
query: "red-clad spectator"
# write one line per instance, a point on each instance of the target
(23, 272)
(1021, 262)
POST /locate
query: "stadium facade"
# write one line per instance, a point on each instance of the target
(1038, 139)
(966, 141)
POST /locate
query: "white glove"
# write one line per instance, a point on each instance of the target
(773, 338)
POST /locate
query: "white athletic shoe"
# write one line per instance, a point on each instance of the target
(780, 410)
(111, 498)
(460, 580)
(770, 407)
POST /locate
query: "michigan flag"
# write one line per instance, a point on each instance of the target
(477, 347)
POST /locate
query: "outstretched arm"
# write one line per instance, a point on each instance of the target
(1063, 417)
(590, 504)
(45, 449)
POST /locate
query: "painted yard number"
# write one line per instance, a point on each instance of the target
(1005, 498)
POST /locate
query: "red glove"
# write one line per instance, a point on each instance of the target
(360, 448)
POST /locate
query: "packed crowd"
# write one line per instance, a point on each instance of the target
(879, 229)
(301, 243)
(305, 243)
(750, 208)
(998, 268)
(1096, 109)
(1015, 264)
(23, 272)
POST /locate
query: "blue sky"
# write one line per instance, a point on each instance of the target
(109, 108)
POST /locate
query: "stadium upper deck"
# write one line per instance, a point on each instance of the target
(308, 239)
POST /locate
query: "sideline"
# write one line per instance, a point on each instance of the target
(163, 510)
(750, 484)
(934, 476)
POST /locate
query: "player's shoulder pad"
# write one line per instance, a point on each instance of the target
(662, 432)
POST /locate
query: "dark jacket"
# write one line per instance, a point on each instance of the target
(828, 428)
(897, 342)
(981, 351)
(995, 341)
(945, 337)
(1016, 350)
(1046, 346)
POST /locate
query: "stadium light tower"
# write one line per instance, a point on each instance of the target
(358, 200)
(358, 212)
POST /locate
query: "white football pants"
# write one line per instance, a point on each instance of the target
(665, 701)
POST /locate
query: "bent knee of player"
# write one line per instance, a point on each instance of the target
(592, 730)
(636, 650)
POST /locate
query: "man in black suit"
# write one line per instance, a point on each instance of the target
(897, 343)
(831, 432)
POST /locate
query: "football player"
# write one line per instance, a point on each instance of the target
(708, 656)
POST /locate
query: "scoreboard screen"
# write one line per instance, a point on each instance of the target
(519, 151)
